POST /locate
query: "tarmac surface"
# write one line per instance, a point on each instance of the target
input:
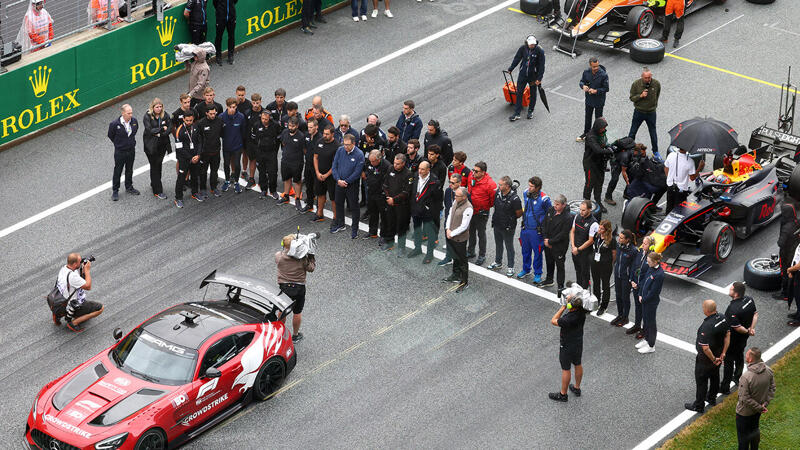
(392, 357)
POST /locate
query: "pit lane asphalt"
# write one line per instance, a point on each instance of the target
(486, 386)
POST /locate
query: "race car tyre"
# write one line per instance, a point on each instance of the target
(575, 207)
(638, 215)
(152, 439)
(763, 274)
(641, 21)
(647, 51)
(574, 5)
(536, 7)
(793, 185)
(270, 378)
(717, 241)
(761, 2)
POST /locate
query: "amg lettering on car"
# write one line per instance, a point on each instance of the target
(188, 419)
(88, 405)
(69, 427)
(112, 387)
(160, 343)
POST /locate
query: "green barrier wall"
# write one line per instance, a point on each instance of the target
(62, 85)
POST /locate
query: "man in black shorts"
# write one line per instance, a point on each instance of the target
(293, 142)
(292, 280)
(571, 346)
(74, 279)
(324, 184)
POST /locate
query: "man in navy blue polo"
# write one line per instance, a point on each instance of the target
(122, 132)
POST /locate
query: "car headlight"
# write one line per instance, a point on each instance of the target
(34, 409)
(111, 443)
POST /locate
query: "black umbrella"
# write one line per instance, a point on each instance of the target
(704, 136)
(543, 97)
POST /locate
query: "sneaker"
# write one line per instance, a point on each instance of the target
(298, 207)
(447, 260)
(610, 201)
(558, 396)
(354, 234)
(547, 282)
(480, 260)
(603, 210)
(522, 274)
(575, 390)
(369, 236)
(317, 219)
(633, 330)
(312, 25)
(337, 228)
(114, 196)
(225, 186)
(510, 272)
(308, 208)
(537, 279)
(657, 157)
(297, 337)
(622, 322)
(250, 183)
(364, 18)
(74, 327)
(580, 138)
(461, 287)
(513, 118)
(215, 193)
(494, 266)
(451, 279)
(132, 191)
(306, 30)
(615, 320)
(274, 195)
(237, 188)
(601, 311)
(204, 194)
(388, 14)
(415, 252)
(179, 203)
(263, 195)
(197, 197)
(374, 13)
(160, 196)
(676, 44)
(647, 349)
(355, 18)
(641, 344)
(530, 115)
(691, 407)
(283, 199)
(389, 246)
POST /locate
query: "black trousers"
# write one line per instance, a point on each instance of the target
(397, 219)
(186, 167)
(123, 159)
(317, 8)
(594, 181)
(616, 171)
(309, 177)
(637, 307)
(554, 259)
(209, 160)
(747, 431)
(583, 267)
(587, 123)
(622, 288)
(706, 376)
(460, 264)
(786, 253)
(675, 197)
(307, 12)
(649, 323)
(267, 164)
(156, 160)
(477, 232)
(236, 158)
(376, 210)
(504, 238)
(734, 361)
(349, 193)
(601, 288)
(522, 81)
(668, 24)
(230, 26)
(198, 33)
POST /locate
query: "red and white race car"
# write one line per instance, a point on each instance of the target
(174, 376)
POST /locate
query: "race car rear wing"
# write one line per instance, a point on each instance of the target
(765, 136)
(255, 291)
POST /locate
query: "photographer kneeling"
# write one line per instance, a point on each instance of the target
(293, 262)
(571, 343)
(74, 280)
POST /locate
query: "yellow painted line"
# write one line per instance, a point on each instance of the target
(463, 330)
(729, 72)
(322, 366)
(247, 411)
(382, 330)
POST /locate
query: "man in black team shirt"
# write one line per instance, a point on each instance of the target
(394, 145)
(211, 131)
(742, 317)
(250, 155)
(293, 142)
(324, 184)
(209, 103)
(570, 347)
(309, 176)
(177, 116)
(264, 138)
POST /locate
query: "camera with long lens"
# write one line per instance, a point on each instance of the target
(84, 260)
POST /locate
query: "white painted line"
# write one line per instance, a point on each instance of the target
(781, 345)
(782, 30)
(704, 284)
(555, 91)
(701, 37)
(404, 50)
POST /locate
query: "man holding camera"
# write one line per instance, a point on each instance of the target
(644, 94)
(571, 346)
(77, 276)
(292, 280)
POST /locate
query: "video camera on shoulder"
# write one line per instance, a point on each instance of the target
(303, 245)
(584, 298)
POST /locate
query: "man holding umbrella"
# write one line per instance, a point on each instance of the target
(530, 58)
(680, 172)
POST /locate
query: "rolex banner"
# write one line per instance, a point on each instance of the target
(54, 88)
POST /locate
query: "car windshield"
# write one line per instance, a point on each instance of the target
(154, 359)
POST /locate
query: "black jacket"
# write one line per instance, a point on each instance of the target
(413, 163)
(211, 130)
(188, 142)
(120, 138)
(197, 12)
(201, 108)
(376, 175)
(595, 150)
(426, 203)
(226, 10)
(397, 185)
(279, 114)
(789, 224)
(597, 81)
(505, 210)
(531, 62)
(264, 138)
(177, 119)
(156, 133)
(623, 266)
(445, 144)
(556, 228)
(399, 147)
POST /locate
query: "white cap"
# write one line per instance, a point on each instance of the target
(531, 40)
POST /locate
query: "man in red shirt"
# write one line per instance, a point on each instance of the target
(458, 166)
(481, 190)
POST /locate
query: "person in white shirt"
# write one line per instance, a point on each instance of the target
(72, 278)
(681, 171)
(457, 233)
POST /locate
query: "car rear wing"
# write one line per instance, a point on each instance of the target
(255, 291)
(765, 136)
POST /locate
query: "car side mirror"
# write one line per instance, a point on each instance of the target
(117, 334)
(213, 372)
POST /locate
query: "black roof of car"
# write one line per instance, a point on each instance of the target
(212, 316)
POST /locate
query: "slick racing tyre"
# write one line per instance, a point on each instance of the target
(638, 215)
(641, 21)
(793, 185)
(717, 241)
(761, 2)
(575, 207)
(152, 439)
(536, 7)
(647, 51)
(763, 274)
(270, 378)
